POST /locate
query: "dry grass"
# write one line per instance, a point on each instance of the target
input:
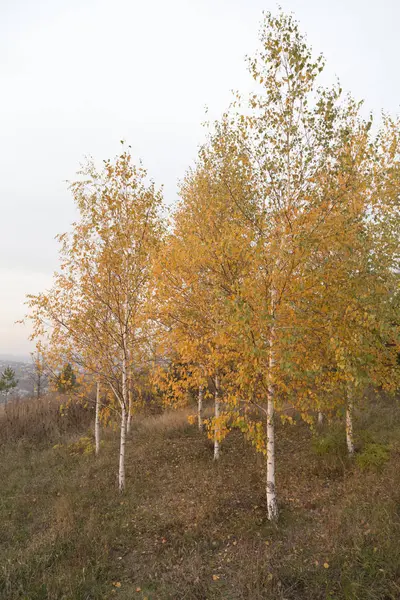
(190, 529)
(41, 420)
(170, 420)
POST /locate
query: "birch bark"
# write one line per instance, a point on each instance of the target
(271, 491)
(216, 414)
(128, 422)
(97, 420)
(124, 403)
(121, 471)
(349, 425)
(200, 408)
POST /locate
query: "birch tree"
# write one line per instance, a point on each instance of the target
(39, 372)
(99, 300)
(308, 161)
(289, 134)
(204, 259)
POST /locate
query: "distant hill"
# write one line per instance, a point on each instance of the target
(15, 358)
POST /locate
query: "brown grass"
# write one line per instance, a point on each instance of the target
(40, 420)
(170, 420)
(190, 529)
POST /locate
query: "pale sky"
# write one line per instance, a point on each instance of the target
(79, 75)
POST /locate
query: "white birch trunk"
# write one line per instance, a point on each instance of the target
(97, 420)
(271, 490)
(216, 414)
(320, 418)
(200, 408)
(124, 404)
(128, 381)
(128, 422)
(349, 427)
(121, 472)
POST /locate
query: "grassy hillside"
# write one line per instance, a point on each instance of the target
(188, 528)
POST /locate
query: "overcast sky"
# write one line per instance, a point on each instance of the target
(79, 75)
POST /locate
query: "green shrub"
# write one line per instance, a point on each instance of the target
(331, 443)
(84, 445)
(373, 456)
(331, 453)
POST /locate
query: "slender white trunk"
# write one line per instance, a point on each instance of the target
(121, 472)
(320, 418)
(200, 408)
(124, 404)
(349, 426)
(271, 490)
(97, 420)
(128, 422)
(216, 414)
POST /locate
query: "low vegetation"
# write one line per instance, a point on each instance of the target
(191, 528)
